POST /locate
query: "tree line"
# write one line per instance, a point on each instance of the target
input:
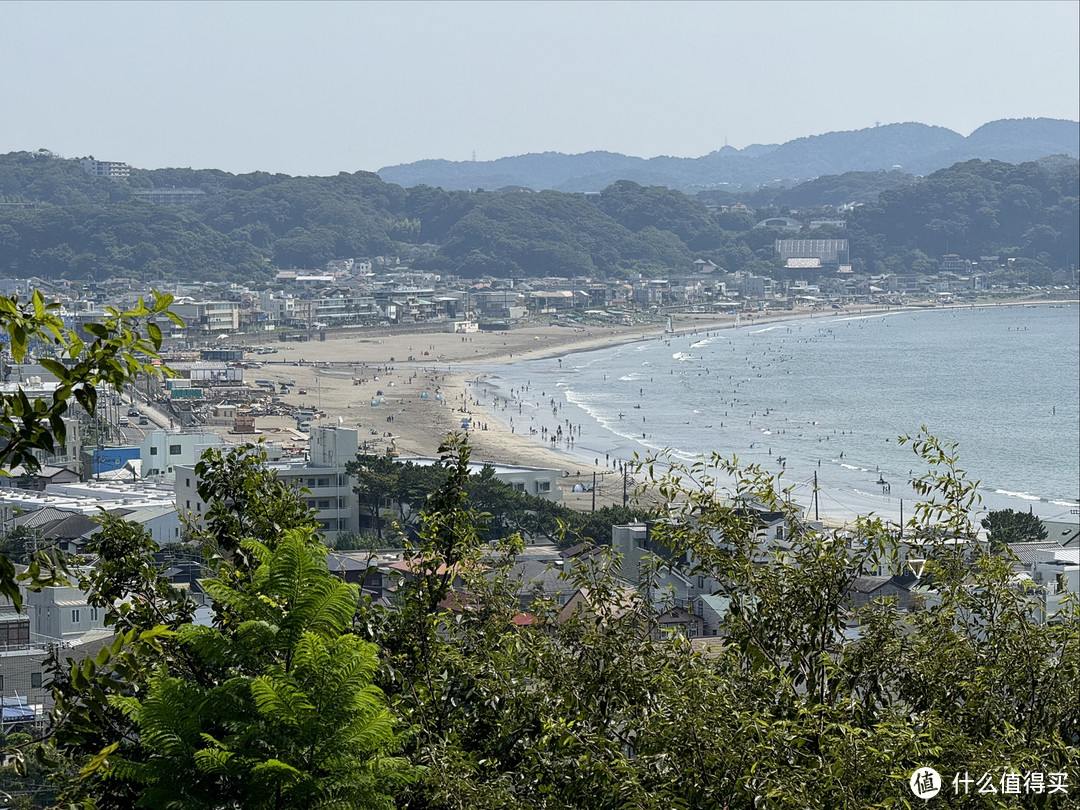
(59, 222)
(302, 692)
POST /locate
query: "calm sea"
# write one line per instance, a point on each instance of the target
(830, 395)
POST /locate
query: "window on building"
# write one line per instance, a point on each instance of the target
(153, 451)
(323, 503)
(35, 680)
(74, 617)
(543, 486)
(187, 482)
(93, 614)
(1, 683)
(174, 449)
(324, 482)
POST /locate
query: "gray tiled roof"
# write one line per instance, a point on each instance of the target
(1027, 553)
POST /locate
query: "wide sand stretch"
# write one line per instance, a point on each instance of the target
(420, 383)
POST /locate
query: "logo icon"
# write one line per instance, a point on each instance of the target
(926, 783)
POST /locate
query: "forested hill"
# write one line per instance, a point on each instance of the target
(917, 148)
(57, 221)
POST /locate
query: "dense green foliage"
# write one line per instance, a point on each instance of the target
(1005, 526)
(303, 694)
(281, 702)
(272, 706)
(789, 709)
(122, 346)
(408, 485)
(63, 223)
(975, 209)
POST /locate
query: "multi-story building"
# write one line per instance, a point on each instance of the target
(112, 169)
(329, 488)
(209, 316)
(161, 452)
(61, 612)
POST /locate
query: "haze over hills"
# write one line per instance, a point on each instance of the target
(918, 148)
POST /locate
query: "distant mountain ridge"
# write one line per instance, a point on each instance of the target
(918, 148)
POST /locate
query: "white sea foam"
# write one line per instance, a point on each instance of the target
(934, 380)
(1027, 496)
(867, 317)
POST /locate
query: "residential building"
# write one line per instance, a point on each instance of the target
(61, 612)
(1058, 572)
(161, 452)
(209, 316)
(329, 487)
(112, 169)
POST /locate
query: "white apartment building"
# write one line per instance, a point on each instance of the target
(279, 309)
(329, 486)
(163, 451)
(112, 169)
(209, 316)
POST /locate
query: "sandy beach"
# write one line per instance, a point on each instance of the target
(422, 387)
(421, 383)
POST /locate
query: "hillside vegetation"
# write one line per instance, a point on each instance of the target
(59, 222)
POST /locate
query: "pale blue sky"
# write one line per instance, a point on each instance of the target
(318, 88)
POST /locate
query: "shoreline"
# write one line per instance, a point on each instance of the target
(841, 499)
(422, 398)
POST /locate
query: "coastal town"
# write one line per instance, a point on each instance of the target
(540, 406)
(390, 372)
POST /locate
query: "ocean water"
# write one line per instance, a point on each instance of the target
(830, 395)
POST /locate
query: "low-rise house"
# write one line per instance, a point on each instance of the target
(1058, 572)
(867, 589)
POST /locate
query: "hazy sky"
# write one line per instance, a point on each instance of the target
(318, 88)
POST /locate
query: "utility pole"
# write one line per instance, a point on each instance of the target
(624, 473)
(815, 496)
(901, 518)
(594, 491)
